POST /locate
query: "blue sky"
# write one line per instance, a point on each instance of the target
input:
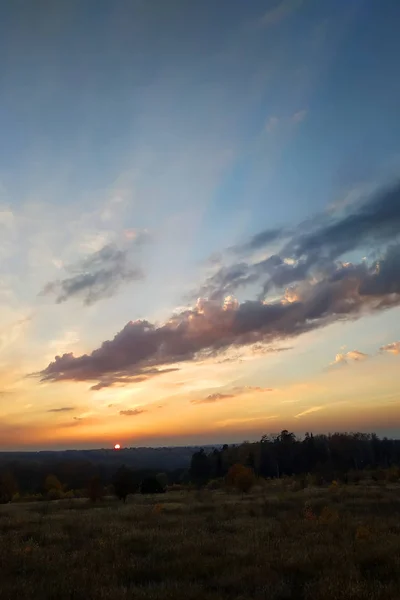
(143, 143)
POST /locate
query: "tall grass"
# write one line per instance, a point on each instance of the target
(322, 544)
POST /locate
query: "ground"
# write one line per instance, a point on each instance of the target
(336, 543)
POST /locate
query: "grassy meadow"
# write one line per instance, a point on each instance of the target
(336, 543)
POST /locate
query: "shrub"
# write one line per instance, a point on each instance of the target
(151, 485)
(52, 483)
(392, 474)
(55, 494)
(214, 484)
(95, 489)
(162, 478)
(177, 487)
(8, 487)
(124, 483)
(240, 477)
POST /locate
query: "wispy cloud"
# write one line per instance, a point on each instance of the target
(260, 240)
(12, 332)
(132, 412)
(251, 389)
(283, 124)
(312, 249)
(279, 12)
(95, 277)
(299, 116)
(61, 410)
(309, 411)
(244, 420)
(122, 378)
(236, 391)
(211, 398)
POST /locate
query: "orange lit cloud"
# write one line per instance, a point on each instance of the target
(393, 348)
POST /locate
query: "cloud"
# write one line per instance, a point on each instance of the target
(299, 116)
(376, 220)
(61, 410)
(236, 391)
(251, 388)
(209, 327)
(312, 249)
(281, 11)
(211, 398)
(309, 411)
(324, 291)
(285, 123)
(6, 217)
(95, 277)
(345, 358)
(393, 348)
(13, 331)
(260, 240)
(124, 379)
(132, 413)
(272, 124)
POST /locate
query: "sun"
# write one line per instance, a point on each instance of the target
(117, 447)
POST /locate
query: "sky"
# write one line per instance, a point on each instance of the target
(199, 220)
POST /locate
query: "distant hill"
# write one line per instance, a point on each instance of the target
(168, 458)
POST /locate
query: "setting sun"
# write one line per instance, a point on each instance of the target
(117, 447)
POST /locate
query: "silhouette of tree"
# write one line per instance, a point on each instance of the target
(52, 483)
(200, 467)
(151, 485)
(95, 489)
(8, 487)
(124, 483)
(162, 478)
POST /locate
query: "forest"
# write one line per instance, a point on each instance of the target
(344, 457)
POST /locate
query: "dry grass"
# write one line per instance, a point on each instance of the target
(272, 544)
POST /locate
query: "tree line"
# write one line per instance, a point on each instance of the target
(337, 456)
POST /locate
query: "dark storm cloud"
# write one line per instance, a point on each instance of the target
(95, 277)
(347, 292)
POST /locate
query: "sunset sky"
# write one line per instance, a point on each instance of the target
(199, 220)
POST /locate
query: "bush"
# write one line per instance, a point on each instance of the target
(393, 474)
(162, 478)
(95, 489)
(54, 494)
(214, 484)
(124, 483)
(52, 483)
(151, 485)
(240, 477)
(177, 487)
(8, 487)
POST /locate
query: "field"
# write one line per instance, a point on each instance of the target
(337, 543)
